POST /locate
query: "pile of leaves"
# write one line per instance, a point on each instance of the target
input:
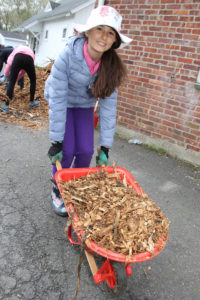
(113, 214)
(20, 113)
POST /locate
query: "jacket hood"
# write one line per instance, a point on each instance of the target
(75, 44)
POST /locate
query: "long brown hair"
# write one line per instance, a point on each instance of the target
(111, 73)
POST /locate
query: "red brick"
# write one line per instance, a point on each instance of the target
(166, 39)
(189, 136)
(186, 19)
(190, 37)
(181, 12)
(194, 12)
(185, 60)
(162, 23)
(184, 30)
(196, 149)
(187, 49)
(191, 67)
(170, 18)
(196, 31)
(192, 125)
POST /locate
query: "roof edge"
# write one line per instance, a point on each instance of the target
(82, 6)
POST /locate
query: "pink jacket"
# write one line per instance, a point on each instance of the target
(20, 49)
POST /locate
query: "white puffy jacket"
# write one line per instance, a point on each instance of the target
(69, 85)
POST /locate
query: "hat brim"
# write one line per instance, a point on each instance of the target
(83, 28)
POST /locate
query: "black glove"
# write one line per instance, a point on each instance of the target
(55, 152)
(105, 150)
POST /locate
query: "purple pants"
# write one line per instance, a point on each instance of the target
(78, 143)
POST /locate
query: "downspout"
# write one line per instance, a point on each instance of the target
(100, 2)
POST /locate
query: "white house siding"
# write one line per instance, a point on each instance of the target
(8, 41)
(50, 48)
(13, 42)
(2, 41)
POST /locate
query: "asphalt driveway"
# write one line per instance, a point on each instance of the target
(38, 262)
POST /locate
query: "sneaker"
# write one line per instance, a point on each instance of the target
(5, 108)
(34, 103)
(2, 79)
(57, 202)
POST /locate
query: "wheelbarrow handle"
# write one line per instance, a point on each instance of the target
(89, 255)
(72, 241)
(58, 165)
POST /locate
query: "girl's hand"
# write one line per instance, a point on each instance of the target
(55, 152)
(102, 158)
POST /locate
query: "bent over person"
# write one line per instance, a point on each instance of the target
(21, 60)
(4, 54)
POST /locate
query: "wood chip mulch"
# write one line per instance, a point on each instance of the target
(113, 214)
(20, 113)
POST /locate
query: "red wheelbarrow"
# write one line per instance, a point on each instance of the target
(116, 267)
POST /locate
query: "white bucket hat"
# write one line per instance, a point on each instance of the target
(104, 15)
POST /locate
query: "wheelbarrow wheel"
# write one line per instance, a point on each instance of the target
(118, 284)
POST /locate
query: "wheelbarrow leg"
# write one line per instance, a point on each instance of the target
(89, 256)
(91, 262)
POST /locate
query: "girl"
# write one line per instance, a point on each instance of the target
(20, 60)
(87, 69)
(4, 54)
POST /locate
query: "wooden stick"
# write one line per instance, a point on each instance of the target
(92, 262)
(89, 256)
(58, 165)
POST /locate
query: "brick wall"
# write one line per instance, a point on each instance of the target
(159, 98)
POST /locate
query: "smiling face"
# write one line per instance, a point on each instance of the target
(100, 39)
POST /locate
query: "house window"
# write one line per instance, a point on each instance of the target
(64, 33)
(46, 34)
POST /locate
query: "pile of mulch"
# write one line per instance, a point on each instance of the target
(20, 113)
(113, 214)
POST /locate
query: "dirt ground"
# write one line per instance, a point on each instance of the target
(20, 113)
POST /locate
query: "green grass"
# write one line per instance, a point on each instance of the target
(157, 149)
